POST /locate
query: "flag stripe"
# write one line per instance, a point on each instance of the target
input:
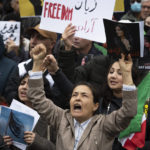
(137, 139)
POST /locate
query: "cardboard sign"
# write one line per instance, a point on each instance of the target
(86, 15)
(124, 38)
(9, 29)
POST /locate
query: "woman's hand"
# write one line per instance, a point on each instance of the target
(38, 54)
(11, 46)
(126, 69)
(67, 36)
(7, 140)
(29, 137)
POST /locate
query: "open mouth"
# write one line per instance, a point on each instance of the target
(24, 94)
(113, 82)
(77, 107)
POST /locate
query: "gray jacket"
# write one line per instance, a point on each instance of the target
(101, 130)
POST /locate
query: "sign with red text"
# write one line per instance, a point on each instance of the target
(86, 15)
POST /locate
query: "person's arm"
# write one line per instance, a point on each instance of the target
(36, 93)
(120, 119)
(64, 52)
(59, 77)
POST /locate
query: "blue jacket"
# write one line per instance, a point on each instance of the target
(6, 66)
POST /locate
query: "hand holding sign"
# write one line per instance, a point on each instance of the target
(11, 46)
(67, 36)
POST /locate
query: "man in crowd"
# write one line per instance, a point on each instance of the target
(145, 9)
(37, 36)
(72, 51)
(139, 10)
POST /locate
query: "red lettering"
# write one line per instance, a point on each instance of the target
(58, 9)
(66, 13)
(63, 13)
(93, 24)
(70, 14)
(88, 26)
(45, 9)
(49, 10)
(54, 8)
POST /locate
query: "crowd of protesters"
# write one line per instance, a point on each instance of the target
(85, 97)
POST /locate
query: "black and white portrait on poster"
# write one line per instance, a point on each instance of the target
(124, 38)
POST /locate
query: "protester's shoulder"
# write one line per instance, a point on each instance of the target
(8, 61)
(129, 16)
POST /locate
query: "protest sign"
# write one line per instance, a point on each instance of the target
(14, 124)
(10, 29)
(124, 38)
(86, 15)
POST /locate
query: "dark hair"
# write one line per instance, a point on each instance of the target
(12, 16)
(107, 93)
(94, 91)
(46, 86)
(124, 29)
(119, 43)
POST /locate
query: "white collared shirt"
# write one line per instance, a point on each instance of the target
(79, 129)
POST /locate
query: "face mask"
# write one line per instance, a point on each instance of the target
(136, 7)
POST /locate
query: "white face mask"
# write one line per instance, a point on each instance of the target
(136, 7)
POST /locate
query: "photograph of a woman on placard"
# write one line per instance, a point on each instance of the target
(123, 39)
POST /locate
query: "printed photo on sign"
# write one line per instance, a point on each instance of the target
(14, 124)
(86, 15)
(10, 30)
(124, 38)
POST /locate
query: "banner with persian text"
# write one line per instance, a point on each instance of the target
(86, 15)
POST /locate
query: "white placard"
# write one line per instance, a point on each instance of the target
(86, 15)
(18, 106)
(10, 29)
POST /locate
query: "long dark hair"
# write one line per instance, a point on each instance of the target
(107, 93)
(118, 42)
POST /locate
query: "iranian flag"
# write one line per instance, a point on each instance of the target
(134, 136)
(137, 139)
